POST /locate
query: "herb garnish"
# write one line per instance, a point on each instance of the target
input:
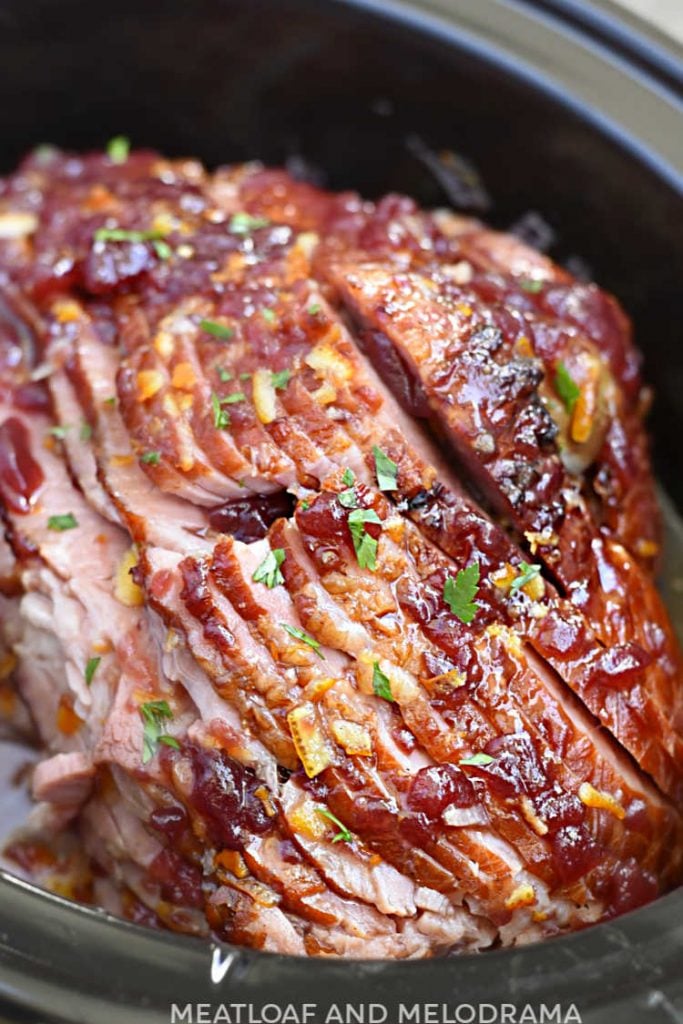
(280, 379)
(459, 592)
(221, 417)
(233, 397)
(151, 458)
(269, 315)
(91, 669)
(348, 478)
(118, 149)
(299, 634)
(85, 431)
(527, 574)
(64, 522)
(566, 387)
(124, 235)
(59, 431)
(224, 375)
(242, 223)
(314, 309)
(153, 715)
(380, 683)
(385, 470)
(268, 571)
(343, 835)
(216, 329)
(478, 760)
(364, 544)
(531, 285)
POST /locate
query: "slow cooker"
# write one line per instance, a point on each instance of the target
(572, 115)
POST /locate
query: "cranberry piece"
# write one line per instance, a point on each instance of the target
(20, 475)
(435, 788)
(249, 519)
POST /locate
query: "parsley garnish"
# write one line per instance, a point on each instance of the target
(118, 149)
(299, 634)
(153, 715)
(314, 309)
(162, 249)
(348, 497)
(242, 223)
(385, 470)
(123, 235)
(217, 330)
(459, 592)
(269, 315)
(531, 285)
(246, 376)
(65, 522)
(343, 835)
(91, 669)
(268, 571)
(233, 397)
(151, 458)
(281, 379)
(527, 574)
(221, 417)
(224, 375)
(380, 683)
(305, 505)
(566, 387)
(478, 760)
(364, 544)
(85, 432)
(59, 431)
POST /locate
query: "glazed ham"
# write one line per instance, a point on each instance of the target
(327, 582)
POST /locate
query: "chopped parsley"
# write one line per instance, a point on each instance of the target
(221, 417)
(314, 309)
(268, 571)
(281, 379)
(162, 249)
(243, 223)
(364, 544)
(233, 397)
(216, 329)
(566, 387)
(531, 285)
(67, 521)
(527, 574)
(348, 498)
(269, 315)
(91, 669)
(478, 760)
(224, 375)
(305, 638)
(385, 470)
(85, 431)
(118, 149)
(343, 835)
(154, 713)
(123, 235)
(459, 592)
(151, 458)
(305, 505)
(59, 431)
(245, 376)
(380, 683)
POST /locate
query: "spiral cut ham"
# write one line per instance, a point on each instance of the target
(328, 571)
